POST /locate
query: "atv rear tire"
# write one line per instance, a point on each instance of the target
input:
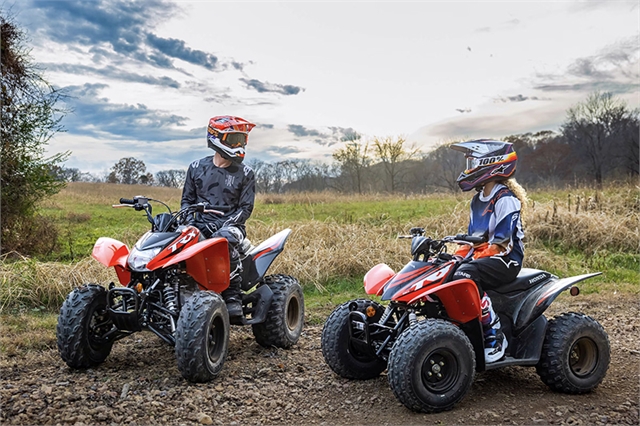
(82, 321)
(285, 318)
(431, 366)
(343, 358)
(575, 354)
(202, 337)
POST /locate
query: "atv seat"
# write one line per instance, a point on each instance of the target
(526, 279)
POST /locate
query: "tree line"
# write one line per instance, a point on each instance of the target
(598, 141)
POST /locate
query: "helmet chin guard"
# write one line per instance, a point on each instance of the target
(487, 161)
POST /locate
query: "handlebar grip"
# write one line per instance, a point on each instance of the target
(126, 201)
(470, 239)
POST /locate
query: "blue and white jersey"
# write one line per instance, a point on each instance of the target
(498, 218)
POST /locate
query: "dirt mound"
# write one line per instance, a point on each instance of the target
(140, 384)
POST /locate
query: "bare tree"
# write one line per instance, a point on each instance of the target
(354, 160)
(391, 152)
(592, 126)
(628, 152)
(445, 165)
(173, 178)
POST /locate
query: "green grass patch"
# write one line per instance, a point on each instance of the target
(371, 212)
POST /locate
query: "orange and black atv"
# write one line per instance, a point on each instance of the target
(429, 337)
(170, 284)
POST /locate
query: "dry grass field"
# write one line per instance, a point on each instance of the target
(336, 238)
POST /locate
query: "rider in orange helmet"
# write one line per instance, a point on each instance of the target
(222, 181)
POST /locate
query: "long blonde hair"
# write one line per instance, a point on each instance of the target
(521, 194)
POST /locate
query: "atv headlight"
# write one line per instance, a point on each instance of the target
(138, 259)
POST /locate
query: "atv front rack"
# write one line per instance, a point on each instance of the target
(374, 339)
(123, 306)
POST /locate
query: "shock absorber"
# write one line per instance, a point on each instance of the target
(170, 299)
(387, 313)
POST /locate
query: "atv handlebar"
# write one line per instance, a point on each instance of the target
(186, 215)
(425, 247)
(459, 238)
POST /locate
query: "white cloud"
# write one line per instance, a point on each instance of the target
(377, 68)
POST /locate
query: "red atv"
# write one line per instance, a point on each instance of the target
(429, 337)
(171, 284)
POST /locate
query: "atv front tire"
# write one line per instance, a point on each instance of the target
(431, 366)
(575, 354)
(285, 318)
(338, 351)
(202, 337)
(82, 322)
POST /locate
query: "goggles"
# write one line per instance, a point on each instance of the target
(473, 162)
(230, 139)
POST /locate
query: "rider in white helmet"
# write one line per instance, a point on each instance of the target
(496, 216)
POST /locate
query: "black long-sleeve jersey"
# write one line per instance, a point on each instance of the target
(232, 187)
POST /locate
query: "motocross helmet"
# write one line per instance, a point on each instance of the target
(228, 135)
(487, 160)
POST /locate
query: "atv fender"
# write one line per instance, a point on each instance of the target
(114, 253)
(207, 262)
(460, 298)
(539, 300)
(261, 257)
(376, 278)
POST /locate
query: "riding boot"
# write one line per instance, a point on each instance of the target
(495, 343)
(233, 295)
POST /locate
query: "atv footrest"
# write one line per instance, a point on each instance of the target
(506, 361)
(255, 307)
(359, 332)
(123, 305)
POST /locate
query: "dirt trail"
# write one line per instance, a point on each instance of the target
(140, 384)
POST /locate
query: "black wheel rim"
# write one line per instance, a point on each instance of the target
(292, 316)
(440, 371)
(215, 339)
(583, 357)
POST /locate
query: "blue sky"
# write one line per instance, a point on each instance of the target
(144, 77)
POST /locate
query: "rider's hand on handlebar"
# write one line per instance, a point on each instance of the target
(218, 212)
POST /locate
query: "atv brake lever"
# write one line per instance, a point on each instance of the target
(218, 212)
(117, 206)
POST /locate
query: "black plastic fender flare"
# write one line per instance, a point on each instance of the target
(538, 301)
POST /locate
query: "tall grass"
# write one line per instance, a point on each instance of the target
(337, 238)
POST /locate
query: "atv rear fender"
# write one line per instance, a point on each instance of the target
(376, 278)
(114, 253)
(540, 299)
(207, 262)
(460, 298)
(261, 257)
